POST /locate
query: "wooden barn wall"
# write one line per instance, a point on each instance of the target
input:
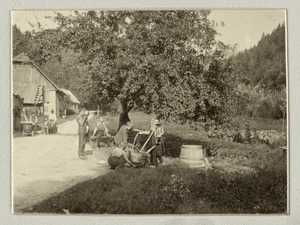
(27, 73)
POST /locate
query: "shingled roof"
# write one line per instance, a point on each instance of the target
(22, 58)
(73, 99)
(31, 93)
(25, 59)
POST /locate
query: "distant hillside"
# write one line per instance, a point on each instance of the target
(264, 65)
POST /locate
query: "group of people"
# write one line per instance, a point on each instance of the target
(90, 129)
(94, 129)
(48, 125)
(121, 153)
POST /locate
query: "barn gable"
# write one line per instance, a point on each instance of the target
(26, 71)
(32, 84)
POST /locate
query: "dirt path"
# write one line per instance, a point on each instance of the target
(45, 165)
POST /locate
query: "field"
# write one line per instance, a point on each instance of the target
(247, 179)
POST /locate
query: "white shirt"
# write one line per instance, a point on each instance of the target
(52, 117)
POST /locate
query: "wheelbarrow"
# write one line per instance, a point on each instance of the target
(139, 155)
(27, 129)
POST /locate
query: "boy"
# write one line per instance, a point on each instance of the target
(156, 153)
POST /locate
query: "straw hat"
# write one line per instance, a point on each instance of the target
(157, 122)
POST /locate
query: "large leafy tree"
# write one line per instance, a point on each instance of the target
(20, 41)
(168, 62)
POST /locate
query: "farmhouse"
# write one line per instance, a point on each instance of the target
(39, 93)
(72, 101)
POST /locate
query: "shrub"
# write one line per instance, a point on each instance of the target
(265, 109)
(251, 101)
(70, 112)
(237, 137)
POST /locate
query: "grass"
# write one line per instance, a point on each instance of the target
(176, 189)
(172, 190)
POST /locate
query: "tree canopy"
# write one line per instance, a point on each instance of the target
(168, 62)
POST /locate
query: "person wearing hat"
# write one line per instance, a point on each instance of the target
(156, 153)
(119, 157)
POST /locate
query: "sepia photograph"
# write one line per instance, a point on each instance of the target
(143, 112)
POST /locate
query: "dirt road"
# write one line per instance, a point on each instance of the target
(44, 165)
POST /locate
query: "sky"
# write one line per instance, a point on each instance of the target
(242, 27)
(245, 27)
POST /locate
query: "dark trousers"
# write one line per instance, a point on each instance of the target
(156, 153)
(82, 141)
(100, 134)
(116, 162)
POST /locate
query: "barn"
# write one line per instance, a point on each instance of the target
(39, 93)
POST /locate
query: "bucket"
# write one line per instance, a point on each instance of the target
(193, 155)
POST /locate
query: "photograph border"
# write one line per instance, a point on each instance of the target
(292, 17)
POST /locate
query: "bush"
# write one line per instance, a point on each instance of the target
(237, 137)
(70, 112)
(264, 110)
(260, 103)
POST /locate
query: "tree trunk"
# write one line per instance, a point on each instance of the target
(123, 117)
(124, 105)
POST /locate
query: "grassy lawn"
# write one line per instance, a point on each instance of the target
(173, 189)
(181, 190)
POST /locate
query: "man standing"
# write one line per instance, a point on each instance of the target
(156, 153)
(82, 129)
(52, 126)
(52, 116)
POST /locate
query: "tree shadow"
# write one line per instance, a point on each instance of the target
(173, 144)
